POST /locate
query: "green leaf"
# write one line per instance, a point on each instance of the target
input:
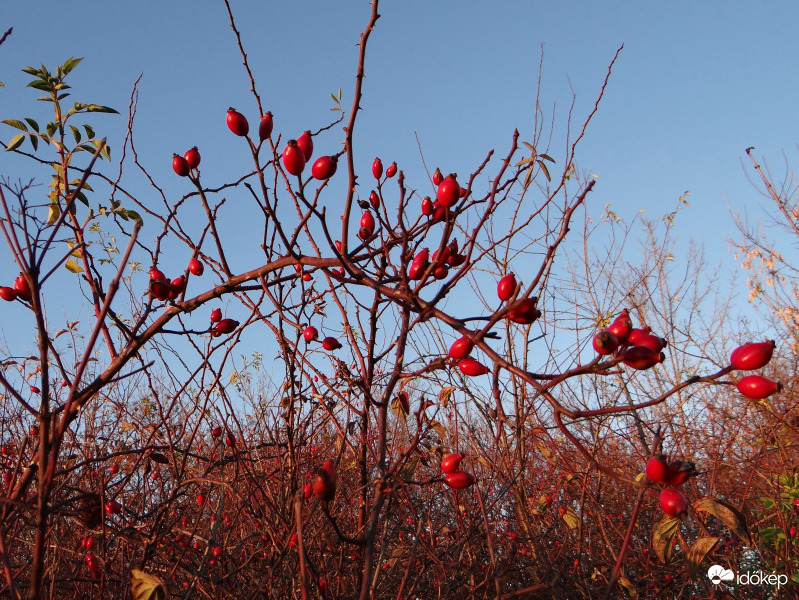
(73, 267)
(51, 129)
(767, 503)
(82, 197)
(70, 64)
(34, 142)
(16, 142)
(33, 124)
(89, 131)
(76, 134)
(38, 84)
(130, 214)
(16, 124)
(101, 109)
(410, 469)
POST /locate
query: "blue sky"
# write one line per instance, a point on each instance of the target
(695, 85)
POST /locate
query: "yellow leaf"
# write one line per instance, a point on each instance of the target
(146, 587)
(571, 519)
(444, 395)
(73, 267)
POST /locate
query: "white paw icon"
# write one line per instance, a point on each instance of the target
(717, 574)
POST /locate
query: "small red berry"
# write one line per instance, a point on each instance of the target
(230, 440)
(201, 500)
(754, 355)
(459, 480)
(622, 326)
(196, 267)
(217, 552)
(305, 142)
(377, 168)
(374, 199)
(22, 288)
(472, 368)
(8, 293)
(224, 326)
(237, 122)
(216, 315)
(180, 165)
(324, 167)
(216, 432)
(428, 208)
(448, 192)
(605, 342)
(265, 126)
(192, 157)
(451, 462)
(176, 286)
(657, 469)
(391, 170)
(438, 177)
(293, 158)
(367, 220)
(642, 358)
(156, 274)
(310, 334)
(113, 507)
(506, 287)
(756, 387)
(461, 348)
(525, 313)
(330, 343)
(673, 502)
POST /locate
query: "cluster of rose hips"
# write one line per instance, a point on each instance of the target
(183, 165)
(324, 483)
(441, 262)
(297, 152)
(638, 348)
(162, 288)
(671, 473)
(311, 334)
(749, 357)
(221, 326)
(448, 193)
(92, 562)
(453, 477)
(20, 290)
(525, 313)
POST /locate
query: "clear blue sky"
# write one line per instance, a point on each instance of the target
(695, 85)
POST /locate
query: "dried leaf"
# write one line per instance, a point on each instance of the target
(727, 514)
(146, 587)
(628, 587)
(445, 394)
(698, 552)
(662, 537)
(159, 458)
(571, 519)
(439, 429)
